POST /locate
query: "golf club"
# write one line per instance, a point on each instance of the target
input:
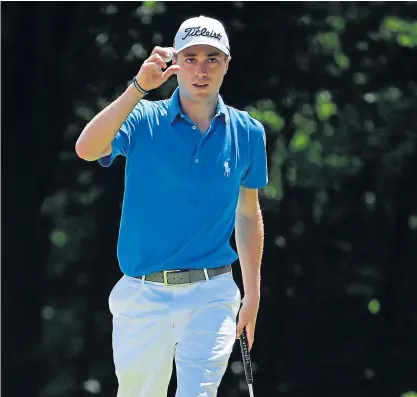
(247, 364)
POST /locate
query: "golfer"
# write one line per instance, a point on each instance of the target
(193, 169)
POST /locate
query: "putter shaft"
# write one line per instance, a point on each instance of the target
(250, 390)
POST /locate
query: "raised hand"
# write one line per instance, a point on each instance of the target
(154, 71)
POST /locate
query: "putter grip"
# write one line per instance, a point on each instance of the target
(247, 365)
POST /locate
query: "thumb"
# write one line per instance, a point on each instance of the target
(173, 69)
(239, 329)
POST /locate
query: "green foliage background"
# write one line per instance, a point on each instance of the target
(335, 86)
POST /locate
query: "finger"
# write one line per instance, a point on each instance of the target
(170, 71)
(239, 328)
(157, 49)
(151, 69)
(157, 59)
(162, 51)
(250, 332)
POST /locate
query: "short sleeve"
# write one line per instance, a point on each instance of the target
(256, 175)
(125, 137)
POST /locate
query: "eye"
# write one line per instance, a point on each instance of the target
(213, 60)
(190, 60)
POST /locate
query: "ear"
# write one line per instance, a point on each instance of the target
(174, 60)
(226, 68)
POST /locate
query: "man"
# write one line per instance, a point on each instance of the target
(193, 167)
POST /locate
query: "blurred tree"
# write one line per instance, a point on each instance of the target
(333, 83)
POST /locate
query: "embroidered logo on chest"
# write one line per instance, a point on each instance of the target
(226, 169)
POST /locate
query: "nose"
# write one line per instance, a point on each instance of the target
(201, 69)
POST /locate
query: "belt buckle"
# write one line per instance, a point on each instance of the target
(166, 275)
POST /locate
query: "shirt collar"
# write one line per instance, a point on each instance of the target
(174, 108)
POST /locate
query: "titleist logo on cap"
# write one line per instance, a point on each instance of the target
(197, 31)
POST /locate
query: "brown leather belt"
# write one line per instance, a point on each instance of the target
(186, 276)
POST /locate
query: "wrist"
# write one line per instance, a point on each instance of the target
(133, 93)
(142, 90)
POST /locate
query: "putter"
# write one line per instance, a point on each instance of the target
(247, 364)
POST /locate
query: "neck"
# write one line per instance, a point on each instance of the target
(199, 111)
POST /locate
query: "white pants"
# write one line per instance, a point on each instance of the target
(154, 324)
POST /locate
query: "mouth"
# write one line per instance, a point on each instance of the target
(200, 86)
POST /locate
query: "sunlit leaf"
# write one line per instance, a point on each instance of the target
(342, 60)
(325, 107)
(264, 111)
(394, 24)
(406, 40)
(404, 32)
(374, 306)
(270, 191)
(300, 141)
(150, 4)
(329, 40)
(273, 120)
(409, 394)
(336, 22)
(59, 238)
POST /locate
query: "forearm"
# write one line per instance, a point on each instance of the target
(101, 130)
(249, 234)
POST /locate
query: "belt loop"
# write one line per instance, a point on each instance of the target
(206, 274)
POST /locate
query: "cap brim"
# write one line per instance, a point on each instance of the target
(203, 42)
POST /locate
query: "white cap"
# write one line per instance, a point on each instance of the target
(202, 30)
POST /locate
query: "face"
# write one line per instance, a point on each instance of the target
(202, 71)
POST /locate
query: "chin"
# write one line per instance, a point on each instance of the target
(204, 94)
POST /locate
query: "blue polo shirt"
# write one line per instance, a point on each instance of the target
(182, 186)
